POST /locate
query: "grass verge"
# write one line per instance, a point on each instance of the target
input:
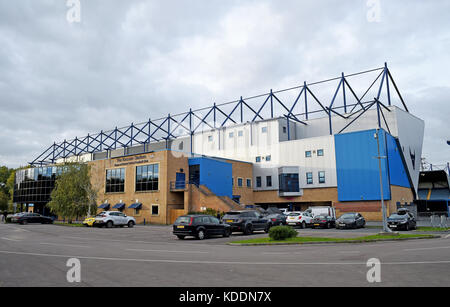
(302, 240)
(68, 225)
(433, 229)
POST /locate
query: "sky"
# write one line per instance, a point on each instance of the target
(64, 74)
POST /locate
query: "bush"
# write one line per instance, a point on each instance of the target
(279, 233)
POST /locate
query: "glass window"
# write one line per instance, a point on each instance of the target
(240, 182)
(320, 152)
(264, 129)
(147, 177)
(210, 138)
(240, 133)
(284, 129)
(269, 181)
(289, 183)
(321, 177)
(309, 178)
(258, 181)
(308, 154)
(155, 209)
(115, 180)
(268, 158)
(231, 135)
(258, 159)
(249, 183)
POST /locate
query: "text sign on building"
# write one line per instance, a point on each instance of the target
(131, 160)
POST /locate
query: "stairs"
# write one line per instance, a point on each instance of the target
(210, 200)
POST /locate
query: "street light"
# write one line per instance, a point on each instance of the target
(385, 228)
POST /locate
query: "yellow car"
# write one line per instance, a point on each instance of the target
(89, 221)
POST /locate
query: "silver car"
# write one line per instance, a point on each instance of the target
(114, 218)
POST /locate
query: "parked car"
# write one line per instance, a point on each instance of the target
(275, 217)
(200, 227)
(26, 218)
(403, 219)
(323, 221)
(285, 211)
(89, 221)
(298, 218)
(246, 221)
(114, 218)
(322, 210)
(350, 220)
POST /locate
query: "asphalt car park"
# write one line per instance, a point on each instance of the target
(37, 255)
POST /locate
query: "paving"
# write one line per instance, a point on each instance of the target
(36, 255)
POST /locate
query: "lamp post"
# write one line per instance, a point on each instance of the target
(385, 228)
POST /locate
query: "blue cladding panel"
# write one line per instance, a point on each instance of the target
(357, 168)
(215, 175)
(397, 170)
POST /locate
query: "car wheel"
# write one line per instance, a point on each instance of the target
(248, 230)
(303, 225)
(328, 226)
(201, 234)
(266, 230)
(130, 224)
(180, 237)
(24, 222)
(407, 227)
(226, 233)
(109, 224)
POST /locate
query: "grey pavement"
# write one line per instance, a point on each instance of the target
(36, 255)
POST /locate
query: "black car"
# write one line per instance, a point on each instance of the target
(275, 217)
(350, 220)
(200, 227)
(246, 221)
(402, 220)
(323, 221)
(27, 218)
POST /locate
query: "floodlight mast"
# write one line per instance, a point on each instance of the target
(377, 137)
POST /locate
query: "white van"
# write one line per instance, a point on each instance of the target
(322, 210)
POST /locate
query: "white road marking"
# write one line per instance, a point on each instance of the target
(219, 262)
(447, 236)
(8, 239)
(57, 244)
(426, 248)
(165, 251)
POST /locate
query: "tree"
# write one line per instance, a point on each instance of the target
(73, 194)
(4, 198)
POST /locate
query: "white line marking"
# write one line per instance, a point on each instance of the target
(57, 244)
(220, 262)
(165, 251)
(447, 236)
(426, 248)
(10, 239)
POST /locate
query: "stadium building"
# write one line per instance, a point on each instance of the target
(318, 144)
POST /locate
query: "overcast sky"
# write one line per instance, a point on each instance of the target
(126, 61)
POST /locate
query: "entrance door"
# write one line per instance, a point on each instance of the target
(180, 181)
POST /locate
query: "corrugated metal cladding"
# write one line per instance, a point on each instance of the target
(357, 168)
(215, 175)
(397, 171)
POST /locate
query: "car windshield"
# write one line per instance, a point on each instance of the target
(397, 216)
(232, 215)
(183, 219)
(293, 214)
(101, 214)
(348, 216)
(321, 217)
(402, 212)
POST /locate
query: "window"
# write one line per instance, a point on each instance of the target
(320, 152)
(321, 177)
(264, 129)
(289, 183)
(309, 178)
(258, 182)
(240, 182)
(269, 181)
(284, 129)
(231, 135)
(137, 211)
(240, 133)
(147, 177)
(268, 158)
(308, 154)
(210, 138)
(258, 159)
(155, 209)
(232, 181)
(115, 180)
(249, 183)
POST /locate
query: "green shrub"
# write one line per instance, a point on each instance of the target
(280, 233)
